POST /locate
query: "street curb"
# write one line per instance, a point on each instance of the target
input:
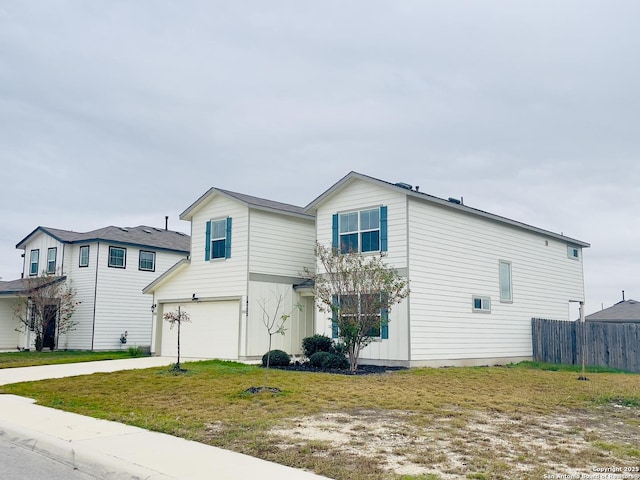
(79, 457)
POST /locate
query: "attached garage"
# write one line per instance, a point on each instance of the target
(213, 331)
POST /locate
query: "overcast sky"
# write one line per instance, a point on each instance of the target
(122, 112)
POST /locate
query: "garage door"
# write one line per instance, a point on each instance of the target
(211, 333)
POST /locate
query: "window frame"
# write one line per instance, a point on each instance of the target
(52, 268)
(382, 325)
(502, 280)
(223, 223)
(33, 271)
(80, 264)
(124, 257)
(484, 300)
(573, 253)
(153, 261)
(359, 231)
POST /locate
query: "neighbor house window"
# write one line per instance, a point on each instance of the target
(573, 252)
(51, 260)
(117, 257)
(84, 256)
(361, 231)
(367, 310)
(147, 261)
(218, 239)
(34, 258)
(506, 294)
(481, 304)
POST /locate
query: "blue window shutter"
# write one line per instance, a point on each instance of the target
(334, 317)
(383, 229)
(227, 242)
(207, 242)
(384, 318)
(334, 237)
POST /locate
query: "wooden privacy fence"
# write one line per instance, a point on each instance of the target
(606, 344)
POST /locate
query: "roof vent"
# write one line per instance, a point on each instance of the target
(404, 185)
(123, 229)
(455, 200)
(146, 230)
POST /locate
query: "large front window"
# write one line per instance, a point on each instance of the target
(360, 231)
(365, 313)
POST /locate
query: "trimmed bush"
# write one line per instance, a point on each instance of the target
(316, 343)
(278, 358)
(328, 360)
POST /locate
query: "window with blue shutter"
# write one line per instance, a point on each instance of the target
(218, 239)
(361, 231)
(207, 242)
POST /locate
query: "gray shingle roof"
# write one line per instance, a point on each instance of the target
(425, 197)
(250, 201)
(625, 311)
(21, 285)
(141, 235)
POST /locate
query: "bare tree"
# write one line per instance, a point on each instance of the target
(358, 291)
(46, 307)
(177, 318)
(274, 323)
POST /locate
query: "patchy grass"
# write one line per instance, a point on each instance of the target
(34, 358)
(489, 422)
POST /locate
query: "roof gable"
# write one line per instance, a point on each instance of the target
(408, 191)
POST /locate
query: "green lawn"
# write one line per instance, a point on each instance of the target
(489, 422)
(33, 358)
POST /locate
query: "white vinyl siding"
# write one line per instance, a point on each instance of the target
(280, 245)
(9, 337)
(120, 304)
(454, 256)
(42, 243)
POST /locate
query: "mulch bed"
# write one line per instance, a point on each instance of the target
(362, 369)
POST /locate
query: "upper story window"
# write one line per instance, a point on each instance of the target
(147, 261)
(84, 256)
(117, 257)
(34, 258)
(573, 252)
(361, 231)
(506, 291)
(218, 239)
(51, 260)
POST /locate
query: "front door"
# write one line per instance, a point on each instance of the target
(50, 317)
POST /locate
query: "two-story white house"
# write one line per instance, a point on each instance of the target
(476, 278)
(247, 254)
(108, 268)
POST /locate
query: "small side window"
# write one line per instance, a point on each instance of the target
(84, 256)
(481, 304)
(573, 252)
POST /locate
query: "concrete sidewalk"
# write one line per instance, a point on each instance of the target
(110, 450)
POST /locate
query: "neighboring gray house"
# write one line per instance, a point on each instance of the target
(109, 268)
(625, 311)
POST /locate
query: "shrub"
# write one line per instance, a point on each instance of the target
(328, 360)
(339, 348)
(135, 351)
(316, 343)
(277, 358)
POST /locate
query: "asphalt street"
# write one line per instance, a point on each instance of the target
(18, 463)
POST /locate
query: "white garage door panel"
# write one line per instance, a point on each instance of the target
(211, 333)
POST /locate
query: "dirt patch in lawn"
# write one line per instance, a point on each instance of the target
(461, 444)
